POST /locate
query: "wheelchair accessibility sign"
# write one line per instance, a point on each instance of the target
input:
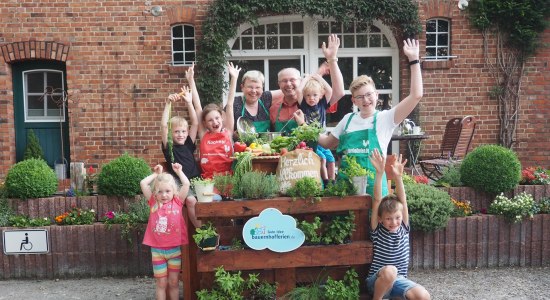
(26, 241)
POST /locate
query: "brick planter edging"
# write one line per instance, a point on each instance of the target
(483, 241)
(480, 200)
(80, 251)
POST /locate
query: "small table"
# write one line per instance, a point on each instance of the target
(414, 141)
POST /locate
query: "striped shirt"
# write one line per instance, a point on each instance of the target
(390, 249)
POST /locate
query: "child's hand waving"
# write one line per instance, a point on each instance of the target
(190, 73)
(186, 95)
(378, 161)
(398, 166)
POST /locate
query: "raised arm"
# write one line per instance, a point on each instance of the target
(378, 162)
(185, 184)
(331, 55)
(328, 141)
(303, 83)
(234, 75)
(405, 107)
(164, 120)
(190, 76)
(326, 86)
(187, 96)
(397, 173)
(145, 183)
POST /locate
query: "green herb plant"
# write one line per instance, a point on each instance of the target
(232, 286)
(204, 232)
(256, 185)
(24, 221)
(311, 230)
(224, 184)
(306, 188)
(353, 168)
(345, 289)
(339, 229)
(339, 188)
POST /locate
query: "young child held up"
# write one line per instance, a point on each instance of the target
(166, 230)
(389, 225)
(183, 145)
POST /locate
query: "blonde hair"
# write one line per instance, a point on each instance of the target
(253, 75)
(389, 204)
(209, 108)
(361, 81)
(164, 178)
(178, 122)
(313, 85)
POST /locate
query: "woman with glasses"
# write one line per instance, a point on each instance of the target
(358, 134)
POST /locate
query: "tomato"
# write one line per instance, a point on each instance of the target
(302, 144)
(239, 147)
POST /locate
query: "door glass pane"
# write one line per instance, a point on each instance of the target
(379, 68)
(247, 65)
(54, 80)
(277, 65)
(35, 103)
(35, 82)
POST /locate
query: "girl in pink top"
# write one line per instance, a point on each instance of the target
(166, 230)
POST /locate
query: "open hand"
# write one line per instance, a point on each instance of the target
(398, 166)
(233, 70)
(411, 49)
(331, 51)
(190, 73)
(186, 94)
(158, 169)
(173, 98)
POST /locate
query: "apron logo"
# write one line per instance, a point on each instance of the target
(365, 143)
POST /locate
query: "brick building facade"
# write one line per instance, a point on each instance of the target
(117, 59)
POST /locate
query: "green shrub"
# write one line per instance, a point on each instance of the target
(121, 176)
(543, 207)
(31, 178)
(491, 168)
(450, 176)
(24, 221)
(429, 207)
(5, 212)
(33, 149)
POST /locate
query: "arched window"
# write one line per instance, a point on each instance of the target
(438, 39)
(294, 41)
(183, 44)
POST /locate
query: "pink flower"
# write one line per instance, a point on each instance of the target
(110, 214)
(421, 179)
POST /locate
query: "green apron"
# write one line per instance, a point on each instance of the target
(361, 149)
(287, 127)
(261, 126)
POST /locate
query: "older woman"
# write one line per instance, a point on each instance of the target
(255, 103)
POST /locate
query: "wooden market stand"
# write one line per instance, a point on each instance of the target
(302, 265)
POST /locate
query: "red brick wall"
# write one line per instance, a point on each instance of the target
(119, 75)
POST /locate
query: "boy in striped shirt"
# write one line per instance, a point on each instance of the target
(390, 236)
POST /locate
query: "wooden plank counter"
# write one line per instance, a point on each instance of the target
(287, 269)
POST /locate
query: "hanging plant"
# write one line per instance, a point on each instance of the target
(224, 17)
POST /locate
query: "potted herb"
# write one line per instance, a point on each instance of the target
(356, 174)
(204, 189)
(206, 237)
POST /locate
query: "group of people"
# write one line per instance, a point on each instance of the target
(364, 135)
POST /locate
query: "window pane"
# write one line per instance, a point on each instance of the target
(35, 103)
(35, 82)
(349, 41)
(236, 45)
(272, 29)
(260, 29)
(430, 40)
(430, 52)
(346, 67)
(442, 51)
(344, 106)
(277, 65)
(362, 41)
(335, 27)
(247, 32)
(272, 42)
(247, 65)
(323, 27)
(298, 42)
(374, 29)
(385, 42)
(189, 45)
(321, 39)
(442, 39)
(285, 42)
(54, 80)
(189, 57)
(189, 31)
(259, 43)
(374, 40)
(442, 26)
(297, 27)
(349, 28)
(284, 28)
(54, 112)
(177, 31)
(430, 26)
(178, 58)
(247, 43)
(379, 68)
(177, 45)
(384, 102)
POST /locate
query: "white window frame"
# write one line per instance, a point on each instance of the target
(437, 45)
(59, 94)
(184, 38)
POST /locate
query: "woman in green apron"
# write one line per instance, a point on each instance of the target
(358, 134)
(254, 104)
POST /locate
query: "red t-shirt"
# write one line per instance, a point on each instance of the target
(216, 150)
(166, 227)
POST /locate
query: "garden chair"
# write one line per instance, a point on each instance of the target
(456, 143)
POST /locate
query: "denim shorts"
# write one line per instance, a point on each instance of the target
(324, 154)
(400, 287)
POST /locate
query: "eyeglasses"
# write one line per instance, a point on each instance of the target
(285, 81)
(365, 96)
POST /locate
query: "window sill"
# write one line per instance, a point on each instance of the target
(437, 64)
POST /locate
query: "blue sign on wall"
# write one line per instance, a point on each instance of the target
(274, 231)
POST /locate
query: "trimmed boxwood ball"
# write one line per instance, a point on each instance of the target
(429, 207)
(491, 168)
(121, 176)
(31, 178)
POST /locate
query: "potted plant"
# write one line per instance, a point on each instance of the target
(206, 237)
(356, 174)
(204, 189)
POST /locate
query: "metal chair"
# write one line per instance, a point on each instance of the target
(456, 143)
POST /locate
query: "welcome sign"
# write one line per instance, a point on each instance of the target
(295, 165)
(274, 231)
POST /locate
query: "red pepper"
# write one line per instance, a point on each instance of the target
(239, 147)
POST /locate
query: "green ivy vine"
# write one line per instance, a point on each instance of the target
(225, 16)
